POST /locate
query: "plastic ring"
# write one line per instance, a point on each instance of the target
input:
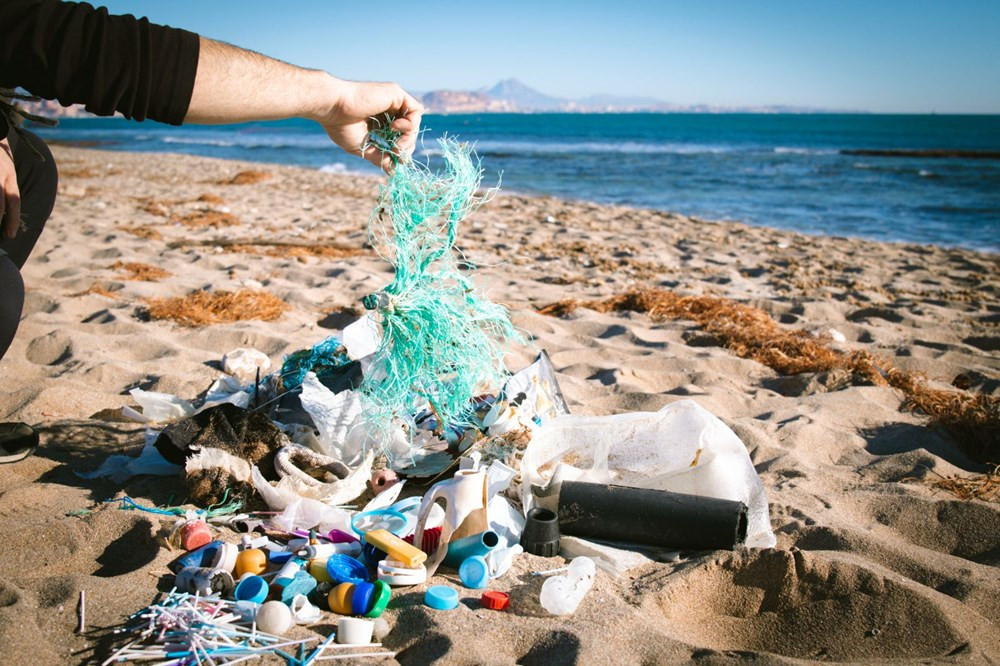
(386, 519)
(382, 595)
(361, 600)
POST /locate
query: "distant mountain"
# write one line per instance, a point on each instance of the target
(520, 96)
(513, 96)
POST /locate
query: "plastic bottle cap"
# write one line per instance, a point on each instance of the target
(252, 588)
(382, 596)
(346, 569)
(340, 597)
(361, 600)
(441, 597)
(355, 631)
(495, 600)
(474, 572)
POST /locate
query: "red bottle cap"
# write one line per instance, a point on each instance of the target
(495, 600)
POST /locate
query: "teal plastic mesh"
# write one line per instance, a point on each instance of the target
(443, 341)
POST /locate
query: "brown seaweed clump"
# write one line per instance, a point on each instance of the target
(985, 487)
(134, 270)
(248, 177)
(973, 419)
(202, 308)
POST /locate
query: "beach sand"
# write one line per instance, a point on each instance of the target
(872, 563)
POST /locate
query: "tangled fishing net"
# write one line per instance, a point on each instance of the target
(443, 342)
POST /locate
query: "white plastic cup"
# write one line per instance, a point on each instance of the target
(355, 631)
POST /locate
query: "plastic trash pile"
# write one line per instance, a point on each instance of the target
(285, 543)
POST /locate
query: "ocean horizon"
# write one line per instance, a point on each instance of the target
(786, 171)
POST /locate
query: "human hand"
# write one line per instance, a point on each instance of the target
(10, 195)
(359, 109)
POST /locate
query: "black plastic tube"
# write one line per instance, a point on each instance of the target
(651, 517)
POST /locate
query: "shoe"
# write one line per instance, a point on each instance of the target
(17, 442)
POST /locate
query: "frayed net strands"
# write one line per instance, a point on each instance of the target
(443, 342)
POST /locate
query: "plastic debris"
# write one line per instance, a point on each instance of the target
(682, 448)
(561, 595)
(245, 363)
(442, 341)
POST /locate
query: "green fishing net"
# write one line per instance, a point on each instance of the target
(443, 341)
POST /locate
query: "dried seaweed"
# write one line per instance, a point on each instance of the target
(134, 270)
(973, 419)
(202, 307)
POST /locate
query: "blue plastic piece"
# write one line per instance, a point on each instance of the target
(372, 555)
(386, 519)
(279, 556)
(361, 600)
(441, 597)
(301, 583)
(253, 589)
(476, 544)
(200, 557)
(474, 572)
(345, 569)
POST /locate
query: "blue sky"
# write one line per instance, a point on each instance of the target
(885, 56)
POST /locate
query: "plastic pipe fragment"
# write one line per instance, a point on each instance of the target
(476, 544)
(396, 548)
(651, 517)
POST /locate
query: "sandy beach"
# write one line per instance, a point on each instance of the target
(873, 561)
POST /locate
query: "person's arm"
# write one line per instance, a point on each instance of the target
(235, 85)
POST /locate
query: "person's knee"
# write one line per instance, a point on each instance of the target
(41, 175)
(11, 302)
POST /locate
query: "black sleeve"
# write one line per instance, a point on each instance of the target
(77, 54)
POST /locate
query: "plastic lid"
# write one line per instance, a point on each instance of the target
(361, 600)
(441, 597)
(252, 588)
(385, 519)
(495, 600)
(382, 595)
(397, 575)
(346, 569)
(474, 572)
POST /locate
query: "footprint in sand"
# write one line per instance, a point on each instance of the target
(51, 349)
(803, 605)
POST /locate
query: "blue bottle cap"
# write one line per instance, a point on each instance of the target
(474, 572)
(441, 597)
(345, 569)
(252, 588)
(362, 599)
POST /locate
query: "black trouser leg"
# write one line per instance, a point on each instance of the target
(37, 180)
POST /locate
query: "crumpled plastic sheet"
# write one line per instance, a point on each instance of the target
(299, 512)
(335, 416)
(164, 408)
(120, 468)
(339, 492)
(683, 448)
(530, 397)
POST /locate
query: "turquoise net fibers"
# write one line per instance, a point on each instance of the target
(443, 342)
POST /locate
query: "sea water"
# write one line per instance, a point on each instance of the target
(775, 170)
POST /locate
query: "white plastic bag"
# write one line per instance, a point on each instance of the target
(682, 448)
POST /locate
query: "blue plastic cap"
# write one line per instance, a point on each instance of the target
(441, 597)
(252, 588)
(474, 572)
(345, 569)
(362, 599)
